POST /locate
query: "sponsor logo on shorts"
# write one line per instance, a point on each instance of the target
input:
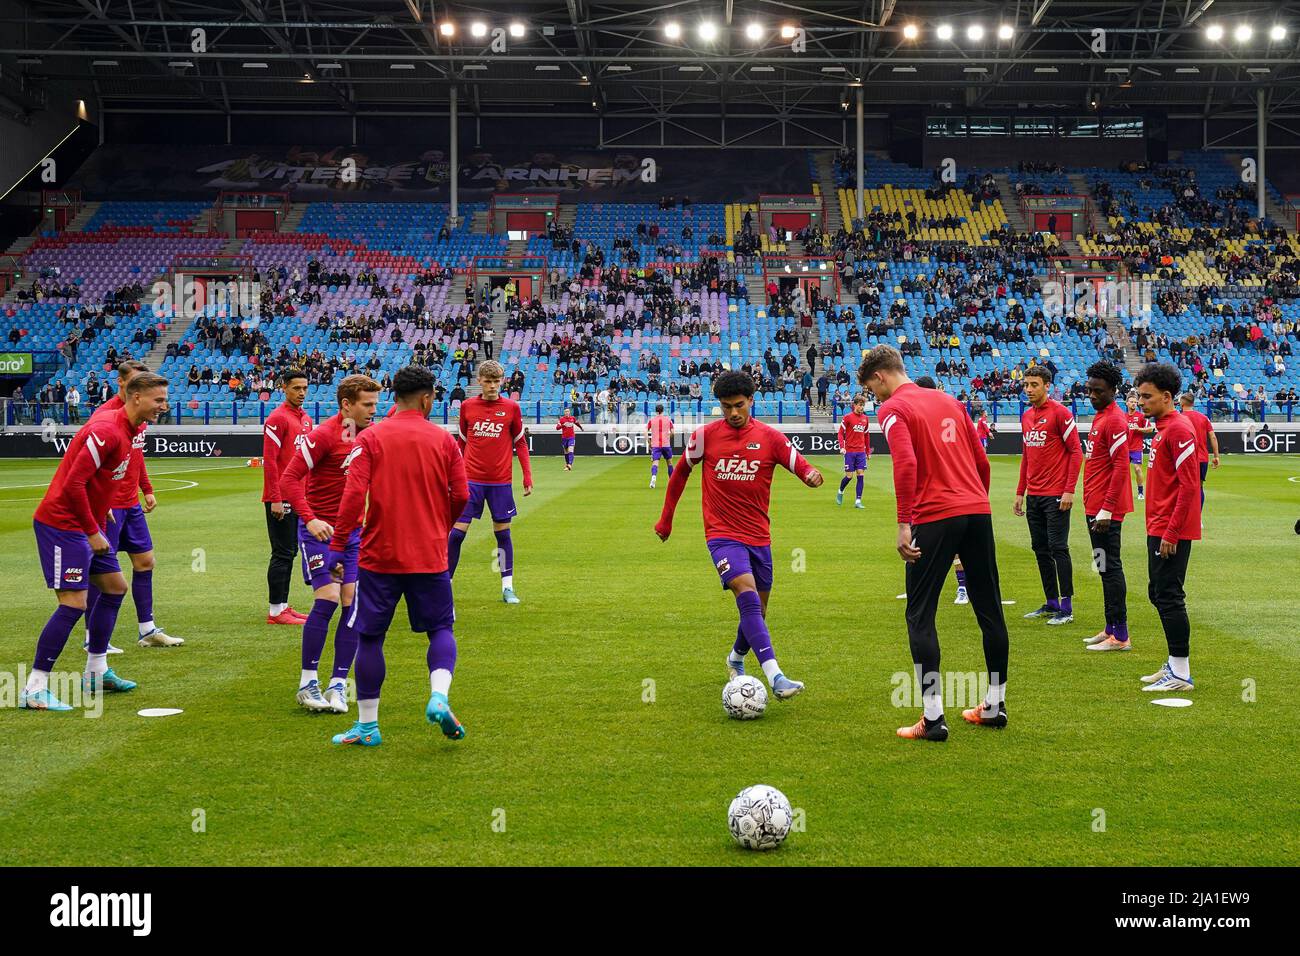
(73, 575)
(724, 565)
(316, 562)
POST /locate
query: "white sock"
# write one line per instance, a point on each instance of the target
(770, 669)
(507, 581)
(307, 678)
(733, 657)
(277, 609)
(931, 694)
(997, 695)
(146, 627)
(38, 681)
(368, 711)
(440, 681)
(1181, 667)
(96, 664)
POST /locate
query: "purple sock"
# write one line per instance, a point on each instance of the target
(505, 552)
(1110, 629)
(844, 482)
(741, 647)
(1067, 605)
(859, 488)
(142, 594)
(315, 631)
(961, 577)
(1053, 604)
(654, 468)
(753, 625)
(345, 646)
(54, 636)
(370, 669)
(670, 469)
(92, 597)
(102, 622)
(442, 650)
(1121, 632)
(568, 458)
(454, 541)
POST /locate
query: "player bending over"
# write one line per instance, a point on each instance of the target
(1173, 519)
(491, 426)
(1107, 498)
(738, 454)
(1139, 429)
(408, 478)
(565, 425)
(73, 548)
(660, 430)
(941, 481)
(855, 443)
(127, 530)
(313, 484)
(1049, 472)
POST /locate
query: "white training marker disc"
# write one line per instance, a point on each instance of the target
(1173, 702)
(1005, 601)
(170, 711)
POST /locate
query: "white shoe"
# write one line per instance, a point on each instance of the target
(157, 638)
(1096, 638)
(309, 697)
(901, 597)
(962, 597)
(1170, 681)
(337, 697)
(111, 649)
(652, 482)
(1152, 678)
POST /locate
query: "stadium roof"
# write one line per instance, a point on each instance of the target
(614, 57)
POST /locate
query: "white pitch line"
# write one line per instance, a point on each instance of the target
(152, 474)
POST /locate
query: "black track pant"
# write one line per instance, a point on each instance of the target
(1107, 563)
(1049, 536)
(1165, 589)
(283, 533)
(969, 537)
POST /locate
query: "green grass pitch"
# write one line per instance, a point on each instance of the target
(573, 757)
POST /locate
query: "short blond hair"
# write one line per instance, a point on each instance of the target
(491, 369)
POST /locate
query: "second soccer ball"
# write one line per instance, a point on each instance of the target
(744, 698)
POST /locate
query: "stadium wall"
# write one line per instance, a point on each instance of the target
(244, 442)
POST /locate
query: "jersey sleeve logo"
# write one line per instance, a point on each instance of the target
(352, 455)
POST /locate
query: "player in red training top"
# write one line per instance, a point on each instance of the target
(941, 481)
(1173, 519)
(313, 485)
(283, 432)
(1206, 440)
(565, 425)
(1139, 429)
(127, 530)
(75, 552)
(855, 443)
(737, 455)
(984, 428)
(408, 477)
(491, 430)
(1107, 498)
(660, 431)
(1049, 472)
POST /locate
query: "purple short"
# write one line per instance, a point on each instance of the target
(429, 604)
(128, 531)
(315, 553)
(500, 501)
(567, 444)
(855, 461)
(732, 559)
(67, 560)
(1135, 457)
(661, 451)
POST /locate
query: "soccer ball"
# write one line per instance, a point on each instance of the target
(744, 697)
(759, 818)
